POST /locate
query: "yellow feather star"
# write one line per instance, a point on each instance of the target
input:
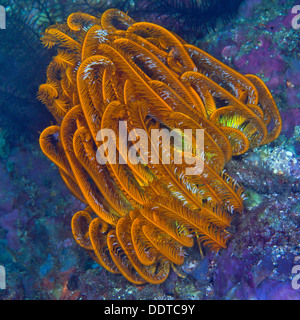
(141, 216)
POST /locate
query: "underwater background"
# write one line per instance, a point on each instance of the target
(37, 249)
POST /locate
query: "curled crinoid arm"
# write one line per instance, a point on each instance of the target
(80, 227)
(113, 20)
(221, 73)
(81, 21)
(154, 272)
(83, 148)
(54, 36)
(122, 260)
(268, 107)
(98, 232)
(167, 40)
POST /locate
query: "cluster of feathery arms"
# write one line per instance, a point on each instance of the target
(140, 217)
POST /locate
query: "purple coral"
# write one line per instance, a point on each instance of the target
(263, 60)
(290, 119)
(276, 290)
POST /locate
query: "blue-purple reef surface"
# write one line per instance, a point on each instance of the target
(42, 260)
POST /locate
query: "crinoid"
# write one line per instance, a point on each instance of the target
(112, 73)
